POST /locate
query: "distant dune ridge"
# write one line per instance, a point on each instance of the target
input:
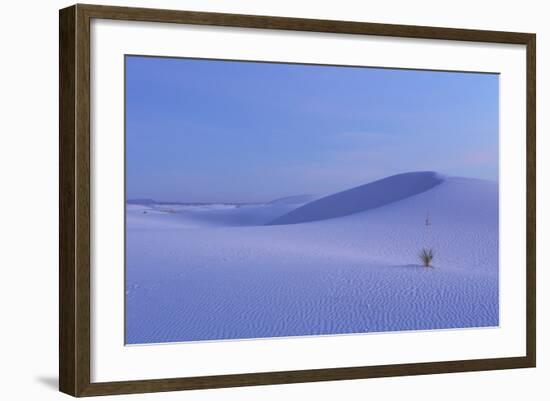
(140, 201)
(293, 200)
(362, 198)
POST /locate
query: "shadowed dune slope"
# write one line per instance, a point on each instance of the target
(362, 198)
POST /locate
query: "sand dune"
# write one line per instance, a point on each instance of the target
(362, 198)
(192, 278)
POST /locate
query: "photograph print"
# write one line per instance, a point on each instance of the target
(268, 200)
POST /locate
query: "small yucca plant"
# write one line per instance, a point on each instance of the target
(426, 255)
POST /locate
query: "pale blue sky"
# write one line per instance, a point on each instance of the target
(206, 130)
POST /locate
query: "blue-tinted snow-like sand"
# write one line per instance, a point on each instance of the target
(205, 273)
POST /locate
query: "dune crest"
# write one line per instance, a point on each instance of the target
(364, 197)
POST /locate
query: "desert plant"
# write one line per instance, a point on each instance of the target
(426, 255)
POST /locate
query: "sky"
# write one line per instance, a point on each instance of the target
(232, 131)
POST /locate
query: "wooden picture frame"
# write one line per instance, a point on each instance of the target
(74, 200)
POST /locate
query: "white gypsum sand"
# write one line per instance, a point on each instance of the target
(210, 272)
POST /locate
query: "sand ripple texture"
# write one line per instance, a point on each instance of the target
(222, 272)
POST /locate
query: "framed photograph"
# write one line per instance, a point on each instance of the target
(250, 200)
